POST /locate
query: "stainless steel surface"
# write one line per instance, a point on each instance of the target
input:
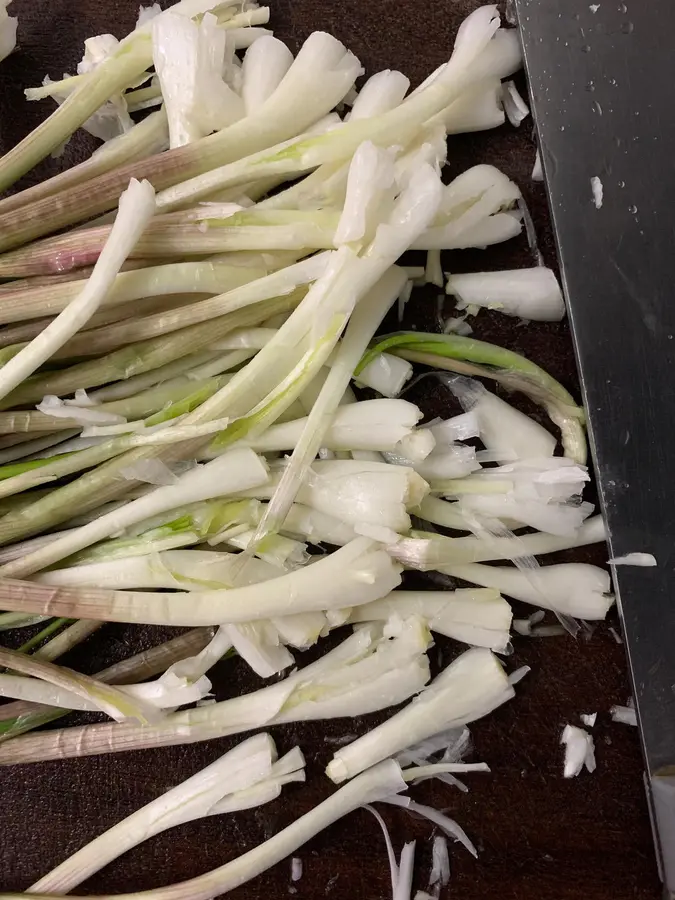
(600, 78)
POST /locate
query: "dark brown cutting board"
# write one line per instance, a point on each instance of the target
(540, 837)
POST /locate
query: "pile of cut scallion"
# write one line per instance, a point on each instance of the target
(189, 319)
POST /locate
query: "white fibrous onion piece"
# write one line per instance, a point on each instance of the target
(147, 13)
(149, 471)
(83, 415)
(448, 825)
(572, 589)
(626, 715)
(471, 687)
(440, 862)
(588, 719)
(537, 171)
(189, 59)
(454, 744)
(371, 175)
(433, 272)
(391, 856)
(597, 191)
(386, 374)
(502, 427)
(579, 750)
(405, 872)
(457, 325)
(633, 559)
(458, 428)
(518, 675)
(515, 107)
(527, 293)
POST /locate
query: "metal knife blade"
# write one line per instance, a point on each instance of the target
(599, 77)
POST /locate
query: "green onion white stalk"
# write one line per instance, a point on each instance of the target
(20, 717)
(442, 512)
(180, 368)
(317, 527)
(426, 551)
(32, 302)
(526, 293)
(358, 492)
(362, 325)
(291, 109)
(376, 784)
(385, 374)
(367, 672)
(168, 238)
(359, 570)
(260, 646)
(502, 428)
(171, 569)
(541, 493)
(110, 700)
(264, 66)
(477, 109)
(148, 137)
(277, 284)
(192, 524)
(454, 462)
(235, 780)
(136, 208)
(224, 475)
(158, 696)
(367, 425)
(145, 355)
(472, 616)
(381, 92)
(572, 589)
(468, 356)
(471, 687)
(279, 551)
(189, 59)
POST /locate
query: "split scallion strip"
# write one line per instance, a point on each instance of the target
(105, 698)
(293, 107)
(471, 687)
(358, 570)
(471, 357)
(20, 717)
(376, 784)
(366, 672)
(148, 137)
(137, 206)
(237, 779)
